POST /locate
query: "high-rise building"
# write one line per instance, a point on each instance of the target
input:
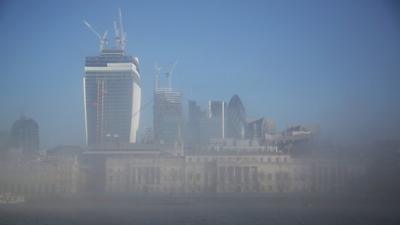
(167, 115)
(25, 136)
(112, 94)
(205, 125)
(216, 119)
(193, 133)
(236, 118)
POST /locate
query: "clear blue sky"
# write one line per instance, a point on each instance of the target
(333, 63)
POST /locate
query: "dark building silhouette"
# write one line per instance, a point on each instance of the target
(193, 131)
(236, 118)
(25, 136)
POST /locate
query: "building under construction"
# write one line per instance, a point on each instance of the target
(112, 92)
(167, 110)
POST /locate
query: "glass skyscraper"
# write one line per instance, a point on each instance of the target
(112, 96)
(167, 115)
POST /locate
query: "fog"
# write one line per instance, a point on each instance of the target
(228, 112)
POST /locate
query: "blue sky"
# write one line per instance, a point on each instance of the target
(333, 63)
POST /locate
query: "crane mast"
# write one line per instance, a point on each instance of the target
(120, 34)
(103, 39)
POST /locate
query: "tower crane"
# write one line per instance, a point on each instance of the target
(102, 39)
(169, 72)
(120, 34)
(157, 68)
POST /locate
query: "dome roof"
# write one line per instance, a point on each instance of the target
(235, 101)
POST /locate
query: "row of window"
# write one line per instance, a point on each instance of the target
(36, 188)
(243, 159)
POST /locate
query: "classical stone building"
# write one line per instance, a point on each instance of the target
(152, 168)
(229, 168)
(56, 173)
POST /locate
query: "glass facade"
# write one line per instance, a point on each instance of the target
(167, 115)
(112, 97)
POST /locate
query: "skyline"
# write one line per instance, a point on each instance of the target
(342, 67)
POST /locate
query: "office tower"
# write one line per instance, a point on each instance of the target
(193, 132)
(112, 93)
(236, 118)
(167, 115)
(25, 136)
(216, 119)
(204, 125)
(195, 112)
(167, 110)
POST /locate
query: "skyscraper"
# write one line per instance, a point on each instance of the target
(112, 93)
(167, 115)
(193, 133)
(167, 111)
(236, 118)
(216, 117)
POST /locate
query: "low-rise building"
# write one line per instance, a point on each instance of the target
(48, 175)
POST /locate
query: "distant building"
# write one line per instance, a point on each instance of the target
(216, 116)
(167, 115)
(57, 173)
(318, 174)
(236, 166)
(258, 129)
(25, 136)
(4, 141)
(193, 132)
(230, 145)
(236, 118)
(155, 168)
(204, 125)
(130, 168)
(238, 172)
(147, 136)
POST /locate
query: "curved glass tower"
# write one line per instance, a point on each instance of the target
(112, 93)
(112, 97)
(236, 118)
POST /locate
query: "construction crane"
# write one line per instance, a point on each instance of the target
(120, 34)
(145, 105)
(117, 37)
(169, 72)
(157, 68)
(102, 39)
